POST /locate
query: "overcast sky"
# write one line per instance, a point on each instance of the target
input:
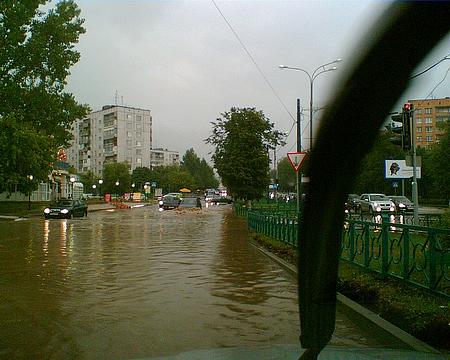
(181, 60)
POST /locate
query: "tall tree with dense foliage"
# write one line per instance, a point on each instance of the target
(287, 178)
(37, 51)
(140, 176)
(202, 173)
(242, 140)
(440, 163)
(371, 177)
(113, 173)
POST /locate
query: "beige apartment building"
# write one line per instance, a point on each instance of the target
(113, 134)
(428, 115)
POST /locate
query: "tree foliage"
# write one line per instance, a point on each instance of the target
(202, 173)
(116, 172)
(371, 175)
(440, 163)
(287, 178)
(242, 139)
(37, 51)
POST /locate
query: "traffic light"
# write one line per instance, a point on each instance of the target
(404, 131)
(407, 111)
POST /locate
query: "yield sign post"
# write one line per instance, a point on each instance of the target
(296, 159)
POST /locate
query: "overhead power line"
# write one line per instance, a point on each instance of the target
(253, 61)
(447, 57)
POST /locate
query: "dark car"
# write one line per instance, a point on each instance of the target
(352, 203)
(402, 203)
(169, 202)
(190, 203)
(66, 208)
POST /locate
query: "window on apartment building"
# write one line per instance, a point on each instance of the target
(138, 143)
(129, 143)
(428, 120)
(419, 138)
(138, 151)
(138, 134)
(109, 119)
(418, 111)
(443, 109)
(128, 116)
(138, 118)
(129, 125)
(428, 129)
(129, 134)
(138, 161)
(429, 138)
(138, 127)
(419, 129)
(419, 121)
(428, 110)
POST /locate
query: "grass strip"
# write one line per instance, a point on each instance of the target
(414, 310)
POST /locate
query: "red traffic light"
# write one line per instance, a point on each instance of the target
(407, 107)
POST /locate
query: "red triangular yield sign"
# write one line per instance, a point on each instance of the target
(296, 159)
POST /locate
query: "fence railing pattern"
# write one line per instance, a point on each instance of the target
(415, 254)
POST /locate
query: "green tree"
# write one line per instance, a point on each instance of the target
(37, 50)
(140, 176)
(440, 163)
(287, 178)
(242, 140)
(113, 173)
(202, 173)
(371, 177)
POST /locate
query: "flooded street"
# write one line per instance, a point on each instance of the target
(140, 283)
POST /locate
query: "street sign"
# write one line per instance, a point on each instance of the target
(296, 159)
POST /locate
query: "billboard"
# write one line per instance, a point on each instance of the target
(397, 169)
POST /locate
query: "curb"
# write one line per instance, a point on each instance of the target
(359, 313)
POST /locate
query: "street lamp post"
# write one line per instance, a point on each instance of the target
(313, 76)
(30, 178)
(100, 182)
(72, 180)
(93, 189)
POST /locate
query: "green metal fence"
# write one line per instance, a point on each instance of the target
(416, 254)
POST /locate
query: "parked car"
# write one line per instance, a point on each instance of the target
(190, 203)
(375, 203)
(402, 203)
(169, 201)
(66, 208)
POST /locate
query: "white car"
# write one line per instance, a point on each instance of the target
(375, 203)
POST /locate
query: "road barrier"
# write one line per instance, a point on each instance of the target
(419, 255)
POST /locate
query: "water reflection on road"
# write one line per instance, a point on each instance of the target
(140, 283)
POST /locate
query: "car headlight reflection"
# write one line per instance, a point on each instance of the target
(378, 209)
(47, 211)
(161, 202)
(401, 205)
(64, 211)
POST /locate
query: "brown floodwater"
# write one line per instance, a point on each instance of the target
(141, 283)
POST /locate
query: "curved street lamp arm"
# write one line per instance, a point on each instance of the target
(323, 71)
(323, 67)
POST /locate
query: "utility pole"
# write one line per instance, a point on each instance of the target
(415, 191)
(299, 149)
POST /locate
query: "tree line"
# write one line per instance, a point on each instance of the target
(193, 173)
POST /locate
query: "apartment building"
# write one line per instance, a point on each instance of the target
(428, 115)
(113, 134)
(164, 157)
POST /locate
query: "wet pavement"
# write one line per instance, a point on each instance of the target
(140, 283)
